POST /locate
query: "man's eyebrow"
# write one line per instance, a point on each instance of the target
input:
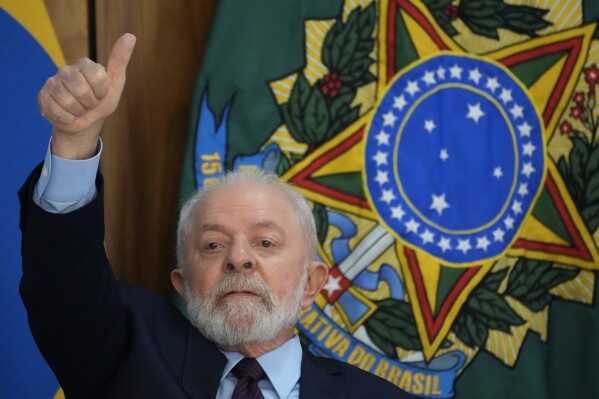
(212, 227)
(268, 224)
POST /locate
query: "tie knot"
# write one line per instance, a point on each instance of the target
(250, 368)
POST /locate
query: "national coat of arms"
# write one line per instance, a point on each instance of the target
(450, 156)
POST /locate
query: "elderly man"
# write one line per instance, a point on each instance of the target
(246, 250)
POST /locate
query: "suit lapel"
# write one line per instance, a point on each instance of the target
(203, 366)
(320, 378)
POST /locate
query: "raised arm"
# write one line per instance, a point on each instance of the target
(75, 309)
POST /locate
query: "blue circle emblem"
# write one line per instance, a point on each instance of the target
(454, 158)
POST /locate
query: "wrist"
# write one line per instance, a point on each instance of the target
(74, 147)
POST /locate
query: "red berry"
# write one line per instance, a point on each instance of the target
(579, 98)
(565, 128)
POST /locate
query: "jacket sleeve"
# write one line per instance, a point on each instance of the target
(74, 309)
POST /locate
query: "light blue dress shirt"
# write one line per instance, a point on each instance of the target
(67, 185)
(282, 366)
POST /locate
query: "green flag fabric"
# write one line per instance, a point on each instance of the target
(450, 153)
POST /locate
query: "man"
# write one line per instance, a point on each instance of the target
(246, 250)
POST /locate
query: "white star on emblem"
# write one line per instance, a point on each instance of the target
(441, 73)
(498, 235)
(492, 84)
(399, 102)
(482, 243)
(474, 112)
(439, 204)
(506, 96)
(387, 196)
(429, 78)
(455, 72)
(517, 207)
(397, 212)
(380, 158)
(429, 125)
(383, 138)
(517, 111)
(474, 75)
(523, 189)
(332, 285)
(525, 129)
(444, 243)
(427, 237)
(381, 177)
(528, 169)
(509, 223)
(412, 87)
(412, 226)
(464, 245)
(389, 119)
(528, 149)
(497, 172)
(444, 154)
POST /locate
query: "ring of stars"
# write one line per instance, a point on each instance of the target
(381, 184)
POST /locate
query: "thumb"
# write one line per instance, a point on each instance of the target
(120, 56)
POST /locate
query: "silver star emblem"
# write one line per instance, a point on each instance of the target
(439, 204)
(474, 112)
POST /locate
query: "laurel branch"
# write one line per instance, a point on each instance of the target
(316, 113)
(485, 17)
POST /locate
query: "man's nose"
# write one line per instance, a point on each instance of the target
(240, 258)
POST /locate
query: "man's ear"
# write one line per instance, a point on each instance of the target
(178, 280)
(317, 277)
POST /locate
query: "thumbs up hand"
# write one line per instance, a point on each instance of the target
(78, 99)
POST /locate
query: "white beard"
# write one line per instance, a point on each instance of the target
(243, 322)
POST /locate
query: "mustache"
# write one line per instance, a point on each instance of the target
(238, 282)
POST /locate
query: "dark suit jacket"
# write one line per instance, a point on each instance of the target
(108, 339)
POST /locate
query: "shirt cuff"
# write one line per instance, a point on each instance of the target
(66, 185)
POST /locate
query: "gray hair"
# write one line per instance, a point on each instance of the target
(297, 201)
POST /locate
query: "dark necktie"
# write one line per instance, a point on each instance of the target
(248, 372)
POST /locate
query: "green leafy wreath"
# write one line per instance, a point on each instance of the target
(317, 112)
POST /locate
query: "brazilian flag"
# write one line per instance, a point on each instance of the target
(30, 53)
(450, 153)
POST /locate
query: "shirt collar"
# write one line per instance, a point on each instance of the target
(282, 365)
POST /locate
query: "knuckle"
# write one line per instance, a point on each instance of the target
(72, 80)
(51, 84)
(52, 112)
(89, 101)
(69, 103)
(97, 76)
(42, 100)
(84, 61)
(65, 71)
(79, 90)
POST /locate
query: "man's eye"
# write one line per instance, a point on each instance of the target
(212, 245)
(266, 243)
